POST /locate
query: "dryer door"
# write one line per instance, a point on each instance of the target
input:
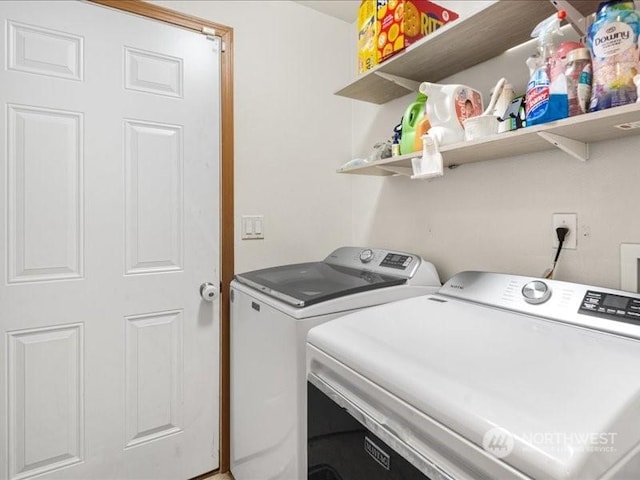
(340, 448)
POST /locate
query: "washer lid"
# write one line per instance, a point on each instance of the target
(305, 284)
(551, 400)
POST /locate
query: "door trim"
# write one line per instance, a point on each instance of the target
(173, 17)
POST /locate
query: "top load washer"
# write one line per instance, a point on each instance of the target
(494, 377)
(271, 312)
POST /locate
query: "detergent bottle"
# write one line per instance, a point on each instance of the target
(447, 107)
(412, 116)
(546, 100)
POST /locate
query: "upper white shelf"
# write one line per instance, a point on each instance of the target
(457, 46)
(573, 131)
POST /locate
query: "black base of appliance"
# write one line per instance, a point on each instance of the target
(340, 448)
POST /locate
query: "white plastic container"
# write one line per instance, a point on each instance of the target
(448, 106)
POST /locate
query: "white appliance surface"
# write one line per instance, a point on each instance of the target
(268, 374)
(442, 372)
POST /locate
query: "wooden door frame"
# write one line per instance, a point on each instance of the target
(189, 22)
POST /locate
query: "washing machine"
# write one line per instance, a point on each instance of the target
(494, 377)
(271, 312)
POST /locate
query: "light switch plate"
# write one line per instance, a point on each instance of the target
(252, 227)
(630, 267)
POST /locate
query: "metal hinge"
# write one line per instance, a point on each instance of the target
(211, 35)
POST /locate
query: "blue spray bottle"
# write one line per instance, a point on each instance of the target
(546, 102)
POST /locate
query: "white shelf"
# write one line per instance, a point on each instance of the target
(579, 130)
(457, 46)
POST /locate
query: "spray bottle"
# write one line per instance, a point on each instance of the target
(546, 101)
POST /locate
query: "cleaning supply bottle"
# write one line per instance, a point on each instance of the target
(412, 116)
(448, 106)
(546, 101)
(502, 105)
(614, 40)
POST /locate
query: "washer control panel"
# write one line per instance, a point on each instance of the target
(396, 260)
(609, 305)
(401, 264)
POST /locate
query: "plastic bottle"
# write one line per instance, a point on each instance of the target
(502, 105)
(447, 108)
(546, 101)
(613, 41)
(412, 116)
(578, 73)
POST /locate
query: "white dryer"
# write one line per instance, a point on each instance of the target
(271, 312)
(494, 377)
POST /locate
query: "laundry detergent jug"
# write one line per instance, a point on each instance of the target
(412, 117)
(448, 106)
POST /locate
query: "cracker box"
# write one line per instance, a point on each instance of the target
(422, 17)
(367, 36)
(390, 15)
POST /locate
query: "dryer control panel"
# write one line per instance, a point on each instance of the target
(605, 309)
(609, 305)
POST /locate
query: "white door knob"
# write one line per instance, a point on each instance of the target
(208, 291)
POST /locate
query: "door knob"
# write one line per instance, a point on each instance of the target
(208, 291)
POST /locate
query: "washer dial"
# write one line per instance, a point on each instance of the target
(366, 255)
(536, 292)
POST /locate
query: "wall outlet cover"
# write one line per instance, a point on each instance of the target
(569, 220)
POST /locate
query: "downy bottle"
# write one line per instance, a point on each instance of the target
(614, 41)
(546, 101)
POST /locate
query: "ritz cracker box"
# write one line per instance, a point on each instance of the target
(386, 27)
(422, 18)
(390, 15)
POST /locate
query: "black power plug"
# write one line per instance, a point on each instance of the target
(562, 233)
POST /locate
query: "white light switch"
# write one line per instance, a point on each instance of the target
(252, 227)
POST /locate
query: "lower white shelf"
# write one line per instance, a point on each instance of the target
(569, 134)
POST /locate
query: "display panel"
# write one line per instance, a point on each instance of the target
(395, 260)
(608, 305)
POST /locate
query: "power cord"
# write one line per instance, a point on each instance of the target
(561, 232)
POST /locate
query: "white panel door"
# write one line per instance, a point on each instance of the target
(110, 196)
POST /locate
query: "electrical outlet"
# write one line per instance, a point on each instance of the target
(570, 221)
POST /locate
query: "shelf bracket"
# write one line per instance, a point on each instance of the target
(576, 149)
(406, 171)
(410, 85)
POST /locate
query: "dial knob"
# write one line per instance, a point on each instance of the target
(366, 255)
(536, 292)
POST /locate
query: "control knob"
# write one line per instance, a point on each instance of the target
(366, 255)
(536, 292)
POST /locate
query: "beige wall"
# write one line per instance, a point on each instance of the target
(291, 132)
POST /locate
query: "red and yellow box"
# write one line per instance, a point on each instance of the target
(367, 36)
(390, 15)
(386, 27)
(422, 17)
